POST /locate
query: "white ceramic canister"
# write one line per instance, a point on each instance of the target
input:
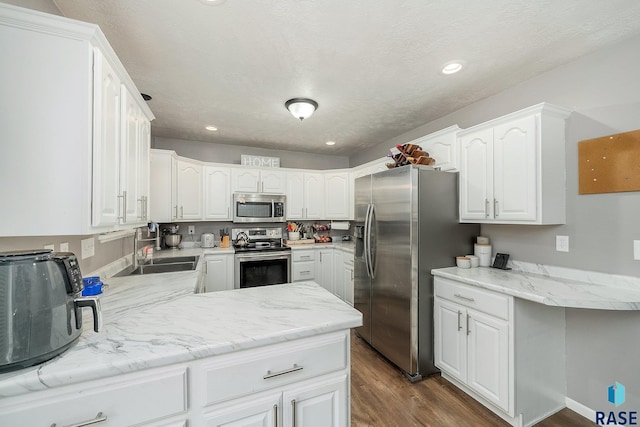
(483, 252)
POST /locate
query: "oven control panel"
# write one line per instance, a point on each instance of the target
(255, 234)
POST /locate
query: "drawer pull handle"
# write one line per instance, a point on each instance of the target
(286, 371)
(293, 413)
(305, 272)
(305, 257)
(98, 419)
(463, 297)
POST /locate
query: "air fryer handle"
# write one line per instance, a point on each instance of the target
(94, 303)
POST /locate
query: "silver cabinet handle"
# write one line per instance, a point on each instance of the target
(459, 324)
(351, 274)
(176, 208)
(305, 272)
(495, 208)
(286, 371)
(486, 208)
(98, 419)
(275, 415)
(468, 330)
(463, 297)
(181, 211)
(120, 207)
(293, 413)
(305, 257)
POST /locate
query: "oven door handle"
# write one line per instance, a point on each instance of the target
(249, 257)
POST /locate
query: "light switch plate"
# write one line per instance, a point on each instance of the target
(87, 248)
(562, 243)
(636, 250)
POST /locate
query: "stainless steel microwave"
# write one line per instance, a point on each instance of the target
(259, 207)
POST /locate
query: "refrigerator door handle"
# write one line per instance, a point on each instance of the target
(366, 241)
(369, 252)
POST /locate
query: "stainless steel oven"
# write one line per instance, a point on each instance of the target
(260, 258)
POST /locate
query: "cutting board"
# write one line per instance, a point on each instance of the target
(299, 242)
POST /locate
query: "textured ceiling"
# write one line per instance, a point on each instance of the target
(372, 65)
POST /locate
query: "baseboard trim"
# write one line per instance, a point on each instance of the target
(581, 409)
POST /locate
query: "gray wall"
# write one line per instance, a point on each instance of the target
(105, 253)
(603, 90)
(42, 5)
(222, 153)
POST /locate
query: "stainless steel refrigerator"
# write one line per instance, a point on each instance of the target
(406, 223)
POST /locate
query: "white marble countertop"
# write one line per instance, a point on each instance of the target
(157, 320)
(573, 290)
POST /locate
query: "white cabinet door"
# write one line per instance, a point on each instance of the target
(245, 180)
(348, 278)
(488, 357)
(443, 147)
(189, 191)
(514, 170)
(324, 268)
(273, 182)
(250, 412)
(161, 186)
(217, 193)
(314, 195)
(145, 165)
(322, 404)
(337, 195)
(338, 274)
(450, 338)
(476, 175)
(130, 161)
(107, 200)
(219, 272)
(295, 195)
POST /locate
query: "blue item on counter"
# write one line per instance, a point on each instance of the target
(92, 286)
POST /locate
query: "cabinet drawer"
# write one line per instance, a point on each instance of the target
(303, 271)
(138, 399)
(306, 255)
(251, 371)
(489, 302)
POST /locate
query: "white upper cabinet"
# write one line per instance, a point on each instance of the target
(337, 195)
(443, 147)
(217, 193)
(162, 186)
(108, 201)
(258, 181)
(77, 148)
(502, 164)
(189, 204)
(305, 195)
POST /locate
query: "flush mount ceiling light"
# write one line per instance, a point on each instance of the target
(330, 143)
(452, 67)
(211, 128)
(301, 108)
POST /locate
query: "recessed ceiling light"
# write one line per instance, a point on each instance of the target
(211, 128)
(452, 67)
(330, 143)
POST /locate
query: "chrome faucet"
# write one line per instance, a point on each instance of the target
(137, 238)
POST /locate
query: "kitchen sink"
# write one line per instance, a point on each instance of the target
(172, 260)
(162, 265)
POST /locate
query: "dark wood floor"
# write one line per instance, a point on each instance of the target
(382, 397)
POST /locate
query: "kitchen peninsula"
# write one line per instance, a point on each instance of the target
(277, 351)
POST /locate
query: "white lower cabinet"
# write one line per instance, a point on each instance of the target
(219, 272)
(348, 274)
(134, 399)
(303, 265)
(300, 383)
(338, 274)
(324, 269)
(505, 352)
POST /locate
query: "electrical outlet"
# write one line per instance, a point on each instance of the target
(64, 247)
(562, 243)
(192, 229)
(87, 248)
(636, 250)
